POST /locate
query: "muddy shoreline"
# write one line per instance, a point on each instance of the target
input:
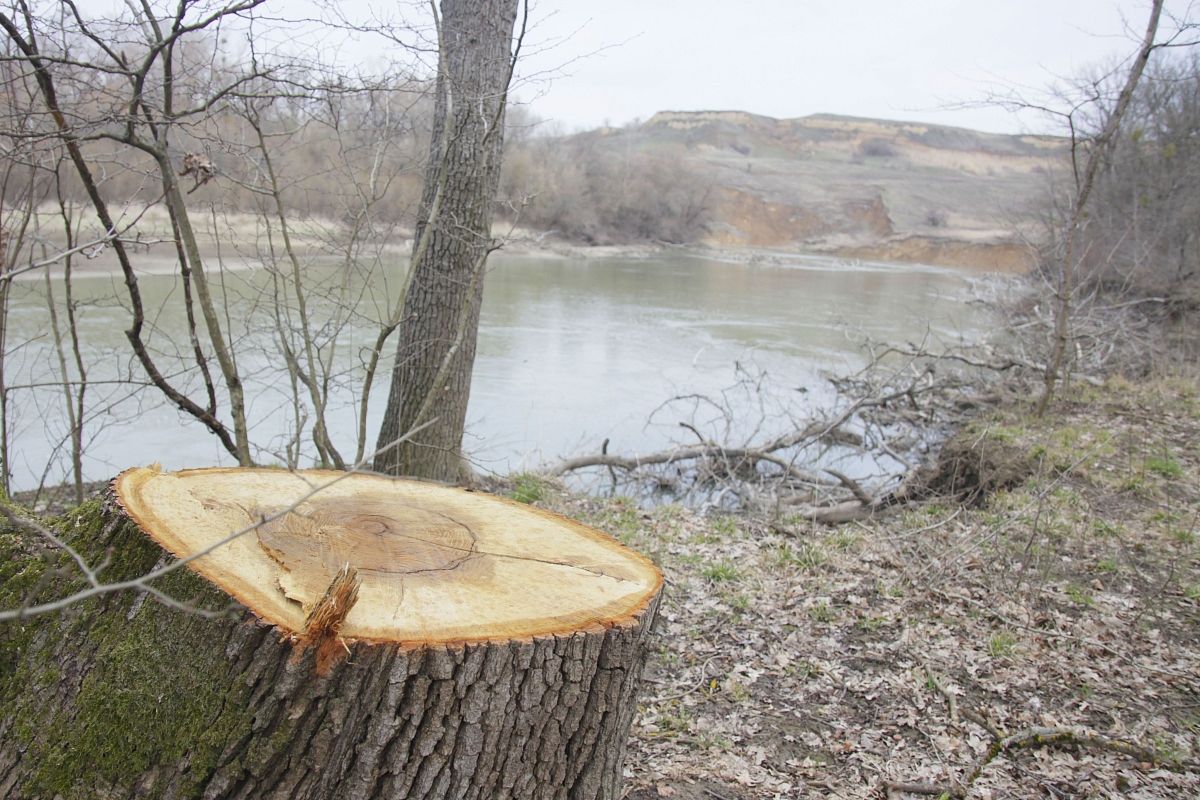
(241, 247)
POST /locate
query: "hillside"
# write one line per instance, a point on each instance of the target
(855, 187)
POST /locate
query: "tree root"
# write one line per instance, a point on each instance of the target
(1026, 739)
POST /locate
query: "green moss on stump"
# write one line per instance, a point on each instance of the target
(20, 573)
(156, 686)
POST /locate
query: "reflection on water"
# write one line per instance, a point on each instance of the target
(571, 352)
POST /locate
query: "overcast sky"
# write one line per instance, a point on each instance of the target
(617, 60)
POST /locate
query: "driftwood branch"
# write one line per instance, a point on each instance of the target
(862, 495)
(776, 470)
(1026, 739)
(865, 457)
(865, 505)
(675, 455)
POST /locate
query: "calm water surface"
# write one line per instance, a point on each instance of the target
(571, 352)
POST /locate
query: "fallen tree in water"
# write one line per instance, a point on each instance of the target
(872, 452)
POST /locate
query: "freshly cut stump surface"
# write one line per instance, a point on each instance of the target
(399, 640)
(437, 565)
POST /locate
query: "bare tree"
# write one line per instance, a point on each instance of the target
(140, 107)
(74, 378)
(1140, 254)
(1087, 157)
(453, 239)
(147, 112)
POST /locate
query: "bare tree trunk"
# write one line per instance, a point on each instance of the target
(432, 376)
(194, 264)
(74, 392)
(74, 423)
(5, 284)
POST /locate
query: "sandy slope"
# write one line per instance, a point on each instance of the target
(858, 187)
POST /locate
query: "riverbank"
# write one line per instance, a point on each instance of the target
(803, 660)
(984, 256)
(239, 243)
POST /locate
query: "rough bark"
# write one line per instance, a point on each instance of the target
(119, 696)
(432, 375)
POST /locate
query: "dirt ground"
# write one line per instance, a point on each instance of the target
(925, 651)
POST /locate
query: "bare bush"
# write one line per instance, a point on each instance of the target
(585, 190)
(874, 147)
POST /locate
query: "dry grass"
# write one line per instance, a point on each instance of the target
(821, 663)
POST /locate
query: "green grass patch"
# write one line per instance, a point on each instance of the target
(1164, 466)
(623, 520)
(821, 612)
(872, 623)
(721, 571)
(528, 488)
(725, 526)
(1005, 434)
(844, 540)
(739, 601)
(736, 690)
(1002, 644)
(1079, 596)
(805, 556)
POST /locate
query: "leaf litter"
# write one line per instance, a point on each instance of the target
(883, 658)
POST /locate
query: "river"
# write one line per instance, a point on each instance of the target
(572, 352)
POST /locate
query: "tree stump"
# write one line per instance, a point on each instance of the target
(393, 639)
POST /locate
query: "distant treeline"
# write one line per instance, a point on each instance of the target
(590, 188)
(336, 148)
(330, 145)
